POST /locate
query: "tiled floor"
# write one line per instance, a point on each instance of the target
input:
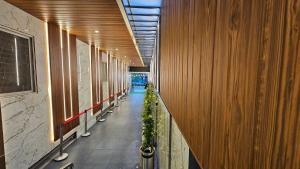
(113, 144)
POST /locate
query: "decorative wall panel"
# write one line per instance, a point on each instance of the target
(96, 78)
(60, 79)
(230, 76)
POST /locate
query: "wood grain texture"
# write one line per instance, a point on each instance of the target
(74, 76)
(66, 74)
(56, 71)
(83, 18)
(102, 53)
(74, 81)
(119, 75)
(56, 77)
(234, 65)
(110, 77)
(95, 79)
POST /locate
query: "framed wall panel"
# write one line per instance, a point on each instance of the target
(66, 74)
(58, 75)
(110, 77)
(96, 78)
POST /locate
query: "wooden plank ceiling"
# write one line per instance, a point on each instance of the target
(98, 22)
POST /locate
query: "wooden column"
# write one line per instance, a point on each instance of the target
(97, 93)
(230, 76)
(60, 79)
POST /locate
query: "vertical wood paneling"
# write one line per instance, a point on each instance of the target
(114, 77)
(66, 73)
(287, 137)
(119, 77)
(110, 77)
(109, 74)
(101, 79)
(203, 48)
(234, 65)
(82, 18)
(57, 80)
(74, 76)
(95, 79)
(56, 77)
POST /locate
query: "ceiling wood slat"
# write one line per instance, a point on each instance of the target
(98, 22)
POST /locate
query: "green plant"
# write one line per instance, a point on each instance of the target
(147, 118)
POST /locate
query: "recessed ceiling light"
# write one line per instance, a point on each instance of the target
(117, 49)
(125, 56)
(96, 31)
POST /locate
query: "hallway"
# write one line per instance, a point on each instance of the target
(211, 84)
(113, 144)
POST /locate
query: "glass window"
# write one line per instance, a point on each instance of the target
(143, 23)
(153, 3)
(146, 28)
(145, 18)
(17, 66)
(145, 32)
(154, 11)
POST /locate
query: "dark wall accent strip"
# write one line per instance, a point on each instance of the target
(139, 69)
(193, 164)
(2, 154)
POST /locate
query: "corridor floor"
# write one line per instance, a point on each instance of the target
(113, 144)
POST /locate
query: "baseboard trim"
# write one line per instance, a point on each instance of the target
(48, 157)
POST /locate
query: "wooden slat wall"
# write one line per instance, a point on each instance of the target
(110, 77)
(57, 80)
(83, 18)
(95, 82)
(74, 78)
(56, 77)
(124, 77)
(119, 77)
(101, 78)
(67, 86)
(235, 67)
(2, 155)
(96, 59)
(114, 75)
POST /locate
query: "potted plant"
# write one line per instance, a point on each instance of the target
(147, 149)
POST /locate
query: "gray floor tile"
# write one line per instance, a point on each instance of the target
(113, 144)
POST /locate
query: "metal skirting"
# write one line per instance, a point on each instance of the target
(48, 157)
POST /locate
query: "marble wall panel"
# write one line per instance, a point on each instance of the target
(25, 115)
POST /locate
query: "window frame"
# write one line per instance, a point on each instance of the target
(32, 60)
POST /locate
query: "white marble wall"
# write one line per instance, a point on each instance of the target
(84, 83)
(179, 149)
(105, 94)
(163, 130)
(105, 88)
(25, 116)
(179, 146)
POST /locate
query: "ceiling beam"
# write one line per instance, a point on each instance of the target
(133, 20)
(142, 7)
(143, 14)
(145, 30)
(146, 26)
